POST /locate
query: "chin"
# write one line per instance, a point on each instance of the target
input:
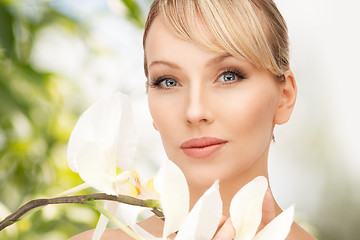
(199, 178)
(200, 182)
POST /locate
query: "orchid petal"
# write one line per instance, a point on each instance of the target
(174, 196)
(128, 214)
(148, 191)
(246, 208)
(279, 227)
(100, 227)
(126, 188)
(90, 162)
(131, 175)
(103, 220)
(203, 220)
(126, 138)
(127, 183)
(108, 123)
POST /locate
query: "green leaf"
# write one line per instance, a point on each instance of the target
(135, 13)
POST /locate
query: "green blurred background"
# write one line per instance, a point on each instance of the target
(43, 90)
(38, 110)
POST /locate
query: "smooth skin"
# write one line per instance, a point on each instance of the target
(194, 93)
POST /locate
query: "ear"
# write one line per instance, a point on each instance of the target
(287, 99)
(154, 125)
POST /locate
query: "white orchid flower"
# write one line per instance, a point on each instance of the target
(246, 214)
(203, 220)
(103, 139)
(102, 143)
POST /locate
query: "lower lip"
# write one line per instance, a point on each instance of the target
(202, 152)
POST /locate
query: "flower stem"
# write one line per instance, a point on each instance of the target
(80, 199)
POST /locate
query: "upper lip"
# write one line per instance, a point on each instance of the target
(202, 142)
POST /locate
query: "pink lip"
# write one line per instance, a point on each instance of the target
(202, 147)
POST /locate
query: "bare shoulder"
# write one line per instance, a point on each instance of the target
(109, 234)
(298, 233)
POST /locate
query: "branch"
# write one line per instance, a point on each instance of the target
(80, 199)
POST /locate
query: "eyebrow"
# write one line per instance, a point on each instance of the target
(212, 61)
(217, 59)
(172, 65)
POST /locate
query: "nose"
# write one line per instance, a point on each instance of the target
(198, 107)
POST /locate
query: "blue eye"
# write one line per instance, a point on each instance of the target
(231, 76)
(164, 83)
(168, 83)
(227, 77)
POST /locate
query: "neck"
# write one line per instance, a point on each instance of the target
(229, 187)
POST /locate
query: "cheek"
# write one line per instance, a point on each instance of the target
(249, 115)
(157, 111)
(165, 117)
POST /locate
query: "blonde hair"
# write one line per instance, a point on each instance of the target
(250, 29)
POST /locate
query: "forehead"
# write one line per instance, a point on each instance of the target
(162, 40)
(162, 44)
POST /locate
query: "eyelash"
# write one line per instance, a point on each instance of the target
(156, 83)
(238, 74)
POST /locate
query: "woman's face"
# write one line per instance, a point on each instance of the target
(214, 112)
